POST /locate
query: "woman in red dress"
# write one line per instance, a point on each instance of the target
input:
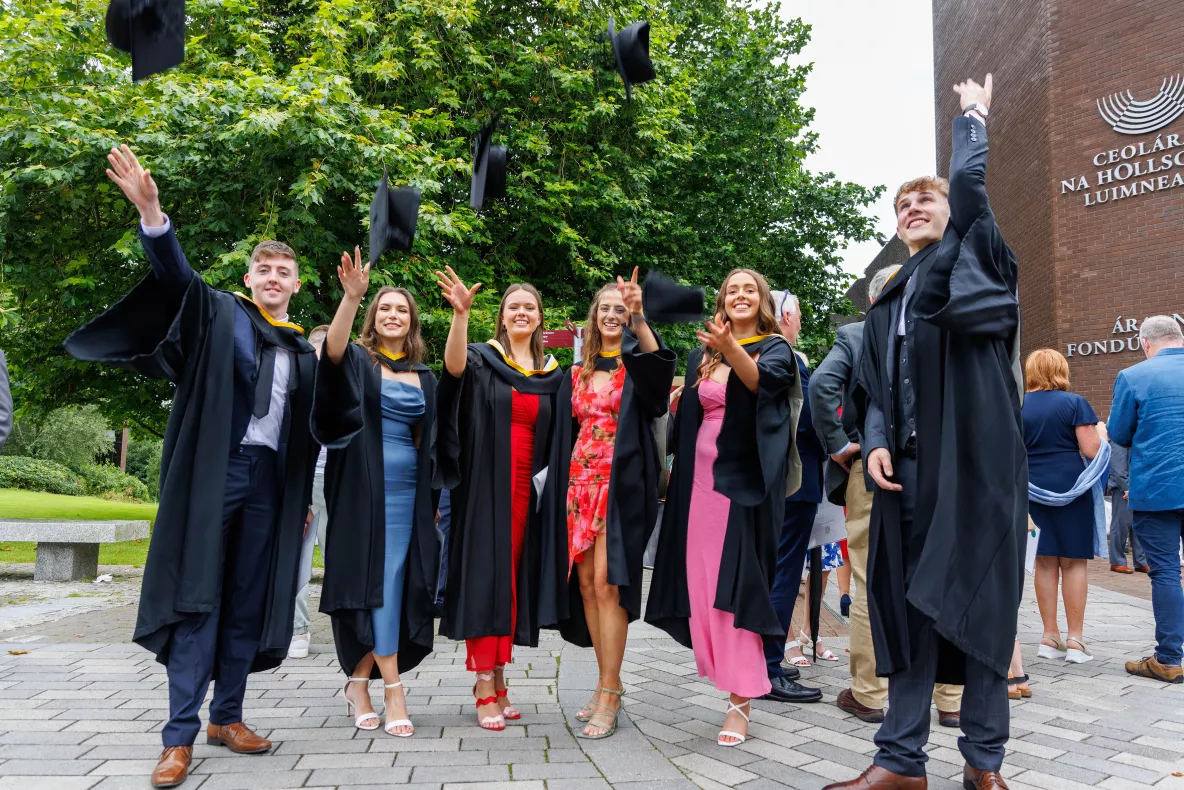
(606, 448)
(496, 407)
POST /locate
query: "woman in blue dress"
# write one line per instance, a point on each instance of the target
(1059, 428)
(374, 408)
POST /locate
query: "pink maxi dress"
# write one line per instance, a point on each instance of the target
(730, 657)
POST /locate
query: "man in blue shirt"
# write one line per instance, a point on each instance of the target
(1148, 416)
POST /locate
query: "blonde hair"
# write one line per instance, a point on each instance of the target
(536, 339)
(273, 249)
(1046, 369)
(935, 183)
(369, 340)
(766, 321)
(593, 342)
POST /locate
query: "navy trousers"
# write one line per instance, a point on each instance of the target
(223, 643)
(791, 558)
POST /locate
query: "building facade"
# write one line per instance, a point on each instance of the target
(1086, 171)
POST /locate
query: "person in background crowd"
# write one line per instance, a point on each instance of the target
(832, 559)
(834, 421)
(314, 534)
(1147, 416)
(1118, 487)
(1059, 428)
(800, 510)
(717, 551)
(5, 402)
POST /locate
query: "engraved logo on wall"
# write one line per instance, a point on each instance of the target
(1127, 115)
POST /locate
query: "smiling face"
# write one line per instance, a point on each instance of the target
(273, 280)
(520, 314)
(611, 316)
(392, 320)
(742, 298)
(921, 216)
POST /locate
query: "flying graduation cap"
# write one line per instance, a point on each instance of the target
(631, 49)
(152, 31)
(393, 214)
(668, 302)
(489, 168)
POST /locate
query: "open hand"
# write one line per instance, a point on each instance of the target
(630, 292)
(970, 92)
(307, 523)
(718, 335)
(843, 459)
(137, 185)
(455, 292)
(879, 467)
(355, 278)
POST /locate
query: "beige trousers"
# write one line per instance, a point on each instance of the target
(868, 689)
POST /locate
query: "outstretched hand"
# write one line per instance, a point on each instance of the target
(355, 278)
(970, 92)
(630, 292)
(137, 185)
(455, 292)
(718, 335)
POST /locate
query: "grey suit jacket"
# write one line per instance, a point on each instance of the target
(5, 402)
(1119, 479)
(829, 389)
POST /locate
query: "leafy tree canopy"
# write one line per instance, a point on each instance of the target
(285, 112)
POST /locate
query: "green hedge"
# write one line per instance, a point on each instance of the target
(32, 474)
(105, 480)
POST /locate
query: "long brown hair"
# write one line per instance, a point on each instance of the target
(536, 339)
(412, 344)
(593, 342)
(766, 318)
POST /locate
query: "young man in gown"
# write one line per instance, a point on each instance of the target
(939, 403)
(236, 474)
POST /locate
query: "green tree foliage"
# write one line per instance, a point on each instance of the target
(73, 436)
(286, 111)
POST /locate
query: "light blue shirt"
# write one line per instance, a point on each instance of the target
(1147, 415)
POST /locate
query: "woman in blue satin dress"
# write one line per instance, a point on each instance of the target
(374, 408)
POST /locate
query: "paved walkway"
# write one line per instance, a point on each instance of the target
(81, 709)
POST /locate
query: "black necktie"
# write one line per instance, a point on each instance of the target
(264, 374)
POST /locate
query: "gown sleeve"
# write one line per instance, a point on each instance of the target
(651, 372)
(452, 398)
(338, 395)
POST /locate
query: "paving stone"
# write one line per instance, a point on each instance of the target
(536, 785)
(141, 782)
(461, 773)
(47, 767)
(413, 759)
(280, 780)
(60, 782)
(246, 763)
(714, 769)
(349, 777)
(582, 770)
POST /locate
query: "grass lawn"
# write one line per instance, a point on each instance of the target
(30, 504)
(19, 504)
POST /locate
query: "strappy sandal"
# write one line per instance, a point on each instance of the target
(349, 707)
(495, 723)
(797, 661)
(1020, 692)
(729, 733)
(604, 712)
(806, 644)
(1053, 651)
(585, 713)
(390, 725)
(1075, 656)
(508, 711)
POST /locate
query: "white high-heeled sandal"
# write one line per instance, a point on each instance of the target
(806, 644)
(349, 707)
(729, 733)
(397, 722)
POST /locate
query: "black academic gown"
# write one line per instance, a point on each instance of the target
(972, 474)
(755, 458)
(633, 481)
(188, 338)
(347, 419)
(474, 454)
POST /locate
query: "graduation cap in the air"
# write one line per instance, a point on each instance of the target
(631, 49)
(152, 31)
(668, 302)
(489, 168)
(393, 215)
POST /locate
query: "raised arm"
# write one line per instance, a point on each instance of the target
(355, 279)
(461, 298)
(156, 232)
(968, 160)
(647, 341)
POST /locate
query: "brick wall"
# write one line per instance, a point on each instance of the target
(1081, 267)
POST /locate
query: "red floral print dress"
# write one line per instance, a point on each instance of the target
(591, 460)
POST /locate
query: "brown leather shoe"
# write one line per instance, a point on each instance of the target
(1120, 569)
(848, 703)
(877, 778)
(1151, 668)
(237, 738)
(1143, 568)
(950, 718)
(173, 766)
(974, 779)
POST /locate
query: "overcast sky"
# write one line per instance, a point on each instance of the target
(873, 68)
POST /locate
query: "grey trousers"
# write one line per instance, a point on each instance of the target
(905, 731)
(316, 535)
(1121, 519)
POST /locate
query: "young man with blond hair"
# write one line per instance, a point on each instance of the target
(939, 407)
(236, 472)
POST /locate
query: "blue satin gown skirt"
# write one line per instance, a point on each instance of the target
(402, 409)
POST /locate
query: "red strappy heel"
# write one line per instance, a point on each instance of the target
(495, 723)
(508, 711)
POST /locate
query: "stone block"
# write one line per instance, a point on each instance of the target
(66, 562)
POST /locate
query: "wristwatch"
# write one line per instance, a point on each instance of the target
(977, 109)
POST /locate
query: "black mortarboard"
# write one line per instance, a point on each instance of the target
(631, 48)
(393, 215)
(668, 302)
(153, 31)
(489, 168)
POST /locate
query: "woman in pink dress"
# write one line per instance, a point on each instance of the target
(717, 552)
